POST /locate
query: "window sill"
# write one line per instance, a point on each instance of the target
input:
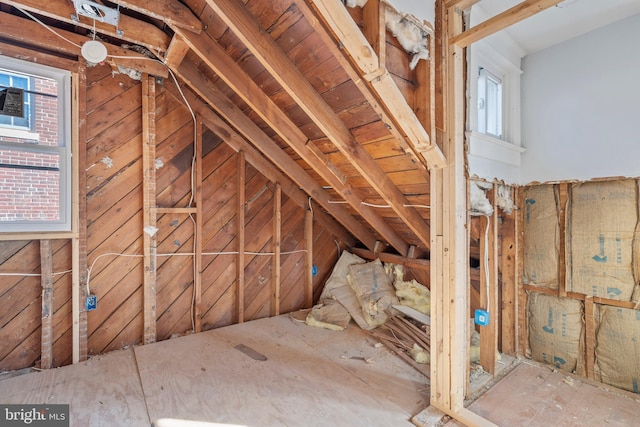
(489, 147)
(19, 133)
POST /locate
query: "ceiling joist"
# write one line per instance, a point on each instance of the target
(129, 29)
(172, 12)
(28, 32)
(501, 21)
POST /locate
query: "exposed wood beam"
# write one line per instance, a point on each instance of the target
(148, 203)
(337, 50)
(373, 70)
(374, 27)
(277, 237)
(259, 161)
(228, 110)
(240, 234)
(46, 279)
(449, 260)
(308, 258)
(211, 53)
(503, 20)
(276, 62)
(79, 274)
(460, 4)
(26, 31)
(172, 12)
(178, 49)
(133, 30)
(489, 289)
(198, 232)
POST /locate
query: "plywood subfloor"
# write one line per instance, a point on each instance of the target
(103, 391)
(532, 396)
(269, 372)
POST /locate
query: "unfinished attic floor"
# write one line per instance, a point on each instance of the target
(532, 395)
(268, 372)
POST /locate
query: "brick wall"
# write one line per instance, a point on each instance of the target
(32, 194)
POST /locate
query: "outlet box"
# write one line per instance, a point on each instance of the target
(481, 317)
(92, 302)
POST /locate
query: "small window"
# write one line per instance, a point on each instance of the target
(489, 103)
(35, 149)
(9, 81)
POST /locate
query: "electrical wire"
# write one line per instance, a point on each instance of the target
(486, 261)
(47, 27)
(55, 273)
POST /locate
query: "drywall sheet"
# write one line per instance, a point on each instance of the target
(541, 237)
(555, 331)
(602, 222)
(618, 348)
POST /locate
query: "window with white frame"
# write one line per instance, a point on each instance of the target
(493, 127)
(489, 103)
(35, 149)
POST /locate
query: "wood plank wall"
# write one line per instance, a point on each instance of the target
(114, 225)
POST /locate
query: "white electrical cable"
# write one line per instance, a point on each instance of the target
(486, 260)
(55, 273)
(47, 27)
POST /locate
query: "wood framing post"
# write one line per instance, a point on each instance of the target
(277, 237)
(240, 235)
(148, 205)
(308, 259)
(489, 289)
(198, 233)
(522, 339)
(46, 278)
(562, 195)
(509, 267)
(449, 250)
(79, 226)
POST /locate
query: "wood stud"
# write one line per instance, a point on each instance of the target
(46, 278)
(148, 204)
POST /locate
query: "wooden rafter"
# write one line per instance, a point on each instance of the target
(460, 4)
(132, 30)
(276, 62)
(372, 69)
(26, 31)
(172, 12)
(178, 49)
(211, 53)
(220, 103)
(337, 50)
(503, 20)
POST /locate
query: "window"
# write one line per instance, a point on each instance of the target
(35, 150)
(8, 81)
(489, 103)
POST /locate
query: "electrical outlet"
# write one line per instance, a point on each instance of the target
(481, 317)
(92, 302)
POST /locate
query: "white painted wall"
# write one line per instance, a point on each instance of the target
(581, 106)
(424, 9)
(490, 158)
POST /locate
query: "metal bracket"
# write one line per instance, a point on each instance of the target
(96, 11)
